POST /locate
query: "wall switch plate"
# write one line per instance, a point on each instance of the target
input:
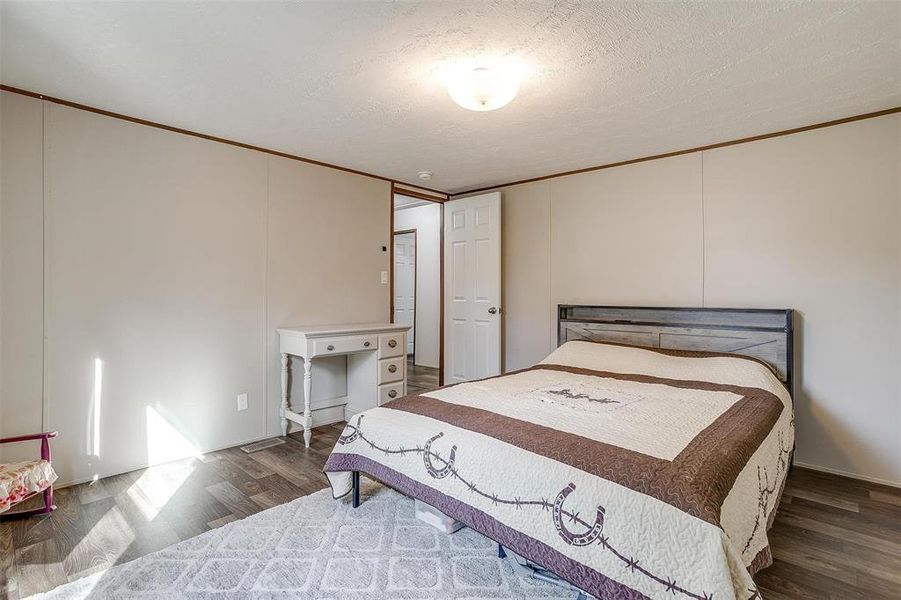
(384, 276)
(242, 402)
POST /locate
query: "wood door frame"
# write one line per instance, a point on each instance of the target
(437, 200)
(394, 234)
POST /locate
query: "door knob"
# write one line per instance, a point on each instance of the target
(492, 310)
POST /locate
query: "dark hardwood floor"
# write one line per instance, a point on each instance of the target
(420, 379)
(833, 538)
(117, 519)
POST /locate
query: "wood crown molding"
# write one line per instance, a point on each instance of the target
(409, 189)
(755, 138)
(403, 190)
(212, 138)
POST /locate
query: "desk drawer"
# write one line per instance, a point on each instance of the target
(392, 369)
(390, 391)
(343, 345)
(392, 344)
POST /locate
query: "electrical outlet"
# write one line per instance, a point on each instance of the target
(242, 402)
(384, 276)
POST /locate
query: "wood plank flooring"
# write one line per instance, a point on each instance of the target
(420, 379)
(117, 519)
(833, 538)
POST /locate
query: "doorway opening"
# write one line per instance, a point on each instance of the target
(417, 290)
(405, 285)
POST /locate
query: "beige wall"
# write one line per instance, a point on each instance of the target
(326, 232)
(526, 265)
(169, 261)
(21, 272)
(808, 221)
(812, 222)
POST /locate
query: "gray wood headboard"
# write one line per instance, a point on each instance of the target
(765, 334)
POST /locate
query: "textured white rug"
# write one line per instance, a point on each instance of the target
(317, 547)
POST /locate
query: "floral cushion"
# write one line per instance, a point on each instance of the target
(20, 480)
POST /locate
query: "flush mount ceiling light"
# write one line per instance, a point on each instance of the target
(484, 88)
(425, 175)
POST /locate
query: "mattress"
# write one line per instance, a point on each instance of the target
(629, 472)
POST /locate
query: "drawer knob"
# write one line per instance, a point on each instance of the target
(366, 344)
(392, 368)
(392, 394)
(392, 343)
(330, 347)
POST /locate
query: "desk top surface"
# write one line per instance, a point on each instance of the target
(341, 329)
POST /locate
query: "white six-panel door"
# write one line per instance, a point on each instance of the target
(472, 287)
(405, 284)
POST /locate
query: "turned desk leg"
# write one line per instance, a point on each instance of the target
(307, 394)
(284, 407)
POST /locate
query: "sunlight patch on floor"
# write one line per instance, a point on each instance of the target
(156, 486)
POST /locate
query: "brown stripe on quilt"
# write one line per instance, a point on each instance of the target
(697, 481)
(761, 560)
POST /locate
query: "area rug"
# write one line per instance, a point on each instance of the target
(319, 548)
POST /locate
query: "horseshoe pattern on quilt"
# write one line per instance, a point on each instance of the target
(576, 539)
(427, 459)
(347, 438)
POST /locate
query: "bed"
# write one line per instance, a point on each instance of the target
(643, 458)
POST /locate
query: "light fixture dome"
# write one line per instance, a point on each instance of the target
(483, 88)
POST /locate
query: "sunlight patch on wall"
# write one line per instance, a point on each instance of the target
(93, 438)
(164, 441)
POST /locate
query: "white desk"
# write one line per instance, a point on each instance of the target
(376, 365)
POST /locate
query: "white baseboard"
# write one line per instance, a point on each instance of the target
(334, 414)
(847, 474)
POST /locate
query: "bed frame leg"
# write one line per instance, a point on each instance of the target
(355, 478)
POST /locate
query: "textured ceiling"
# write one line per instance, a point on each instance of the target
(361, 84)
